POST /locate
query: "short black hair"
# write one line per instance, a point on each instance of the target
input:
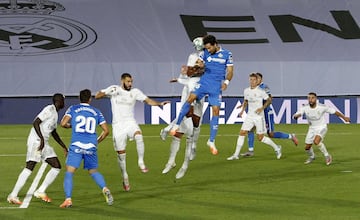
(85, 95)
(58, 97)
(125, 75)
(209, 39)
(312, 93)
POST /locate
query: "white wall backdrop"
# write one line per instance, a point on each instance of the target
(65, 45)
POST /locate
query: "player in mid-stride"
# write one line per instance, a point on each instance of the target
(38, 149)
(314, 113)
(83, 120)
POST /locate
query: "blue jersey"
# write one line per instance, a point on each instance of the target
(266, 88)
(215, 64)
(84, 120)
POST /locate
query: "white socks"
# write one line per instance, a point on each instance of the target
(239, 144)
(50, 177)
(310, 152)
(122, 164)
(269, 142)
(323, 149)
(174, 148)
(196, 134)
(140, 147)
(23, 176)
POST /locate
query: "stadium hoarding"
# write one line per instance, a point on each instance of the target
(284, 108)
(22, 110)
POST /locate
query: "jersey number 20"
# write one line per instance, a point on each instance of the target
(85, 124)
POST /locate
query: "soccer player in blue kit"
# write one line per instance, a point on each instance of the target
(269, 120)
(218, 63)
(83, 119)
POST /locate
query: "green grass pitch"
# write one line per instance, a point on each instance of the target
(213, 188)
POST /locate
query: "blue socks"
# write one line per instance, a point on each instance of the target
(99, 179)
(184, 110)
(214, 124)
(251, 139)
(281, 135)
(68, 184)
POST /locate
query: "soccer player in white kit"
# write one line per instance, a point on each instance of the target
(38, 149)
(253, 100)
(190, 125)
(123, 98)
(314, 113)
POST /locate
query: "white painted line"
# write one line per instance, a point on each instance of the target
(346, 171)
(12, 155)
(33, 186)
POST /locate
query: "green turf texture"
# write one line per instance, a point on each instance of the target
(260, 187)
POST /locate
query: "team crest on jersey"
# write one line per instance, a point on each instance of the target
(28, 29)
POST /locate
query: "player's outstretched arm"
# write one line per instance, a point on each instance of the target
(153, 102)
(99, 95)
(342, 116)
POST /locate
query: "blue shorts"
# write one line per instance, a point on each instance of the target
(77, 154)
(213, 90)
(269, 120)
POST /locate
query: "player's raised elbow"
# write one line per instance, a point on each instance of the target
(99, 95)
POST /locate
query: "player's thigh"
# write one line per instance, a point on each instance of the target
(32, 153)
(312, 132)
(48, 152)
(123, 133)
(91, 160)
(248, 124)
(198, 107)
(260, 125)
(186, 126)
(74, 157)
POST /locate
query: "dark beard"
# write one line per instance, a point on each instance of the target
(126, 88)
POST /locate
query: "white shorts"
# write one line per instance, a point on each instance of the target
(313, 131)
(34, 155)
(122, 132)
(254, 121)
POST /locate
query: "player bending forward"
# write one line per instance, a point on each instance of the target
(314, 113)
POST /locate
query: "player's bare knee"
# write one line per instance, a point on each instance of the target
(30, 165)
(243, 133)
(196, 120)
(54, 162)
(121, 151)
(260, 137)
(308, 146)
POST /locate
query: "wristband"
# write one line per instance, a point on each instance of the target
(227, 82)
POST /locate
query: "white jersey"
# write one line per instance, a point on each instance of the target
(123, 102)
(255, 98)
(49, 118)
(315, 116)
